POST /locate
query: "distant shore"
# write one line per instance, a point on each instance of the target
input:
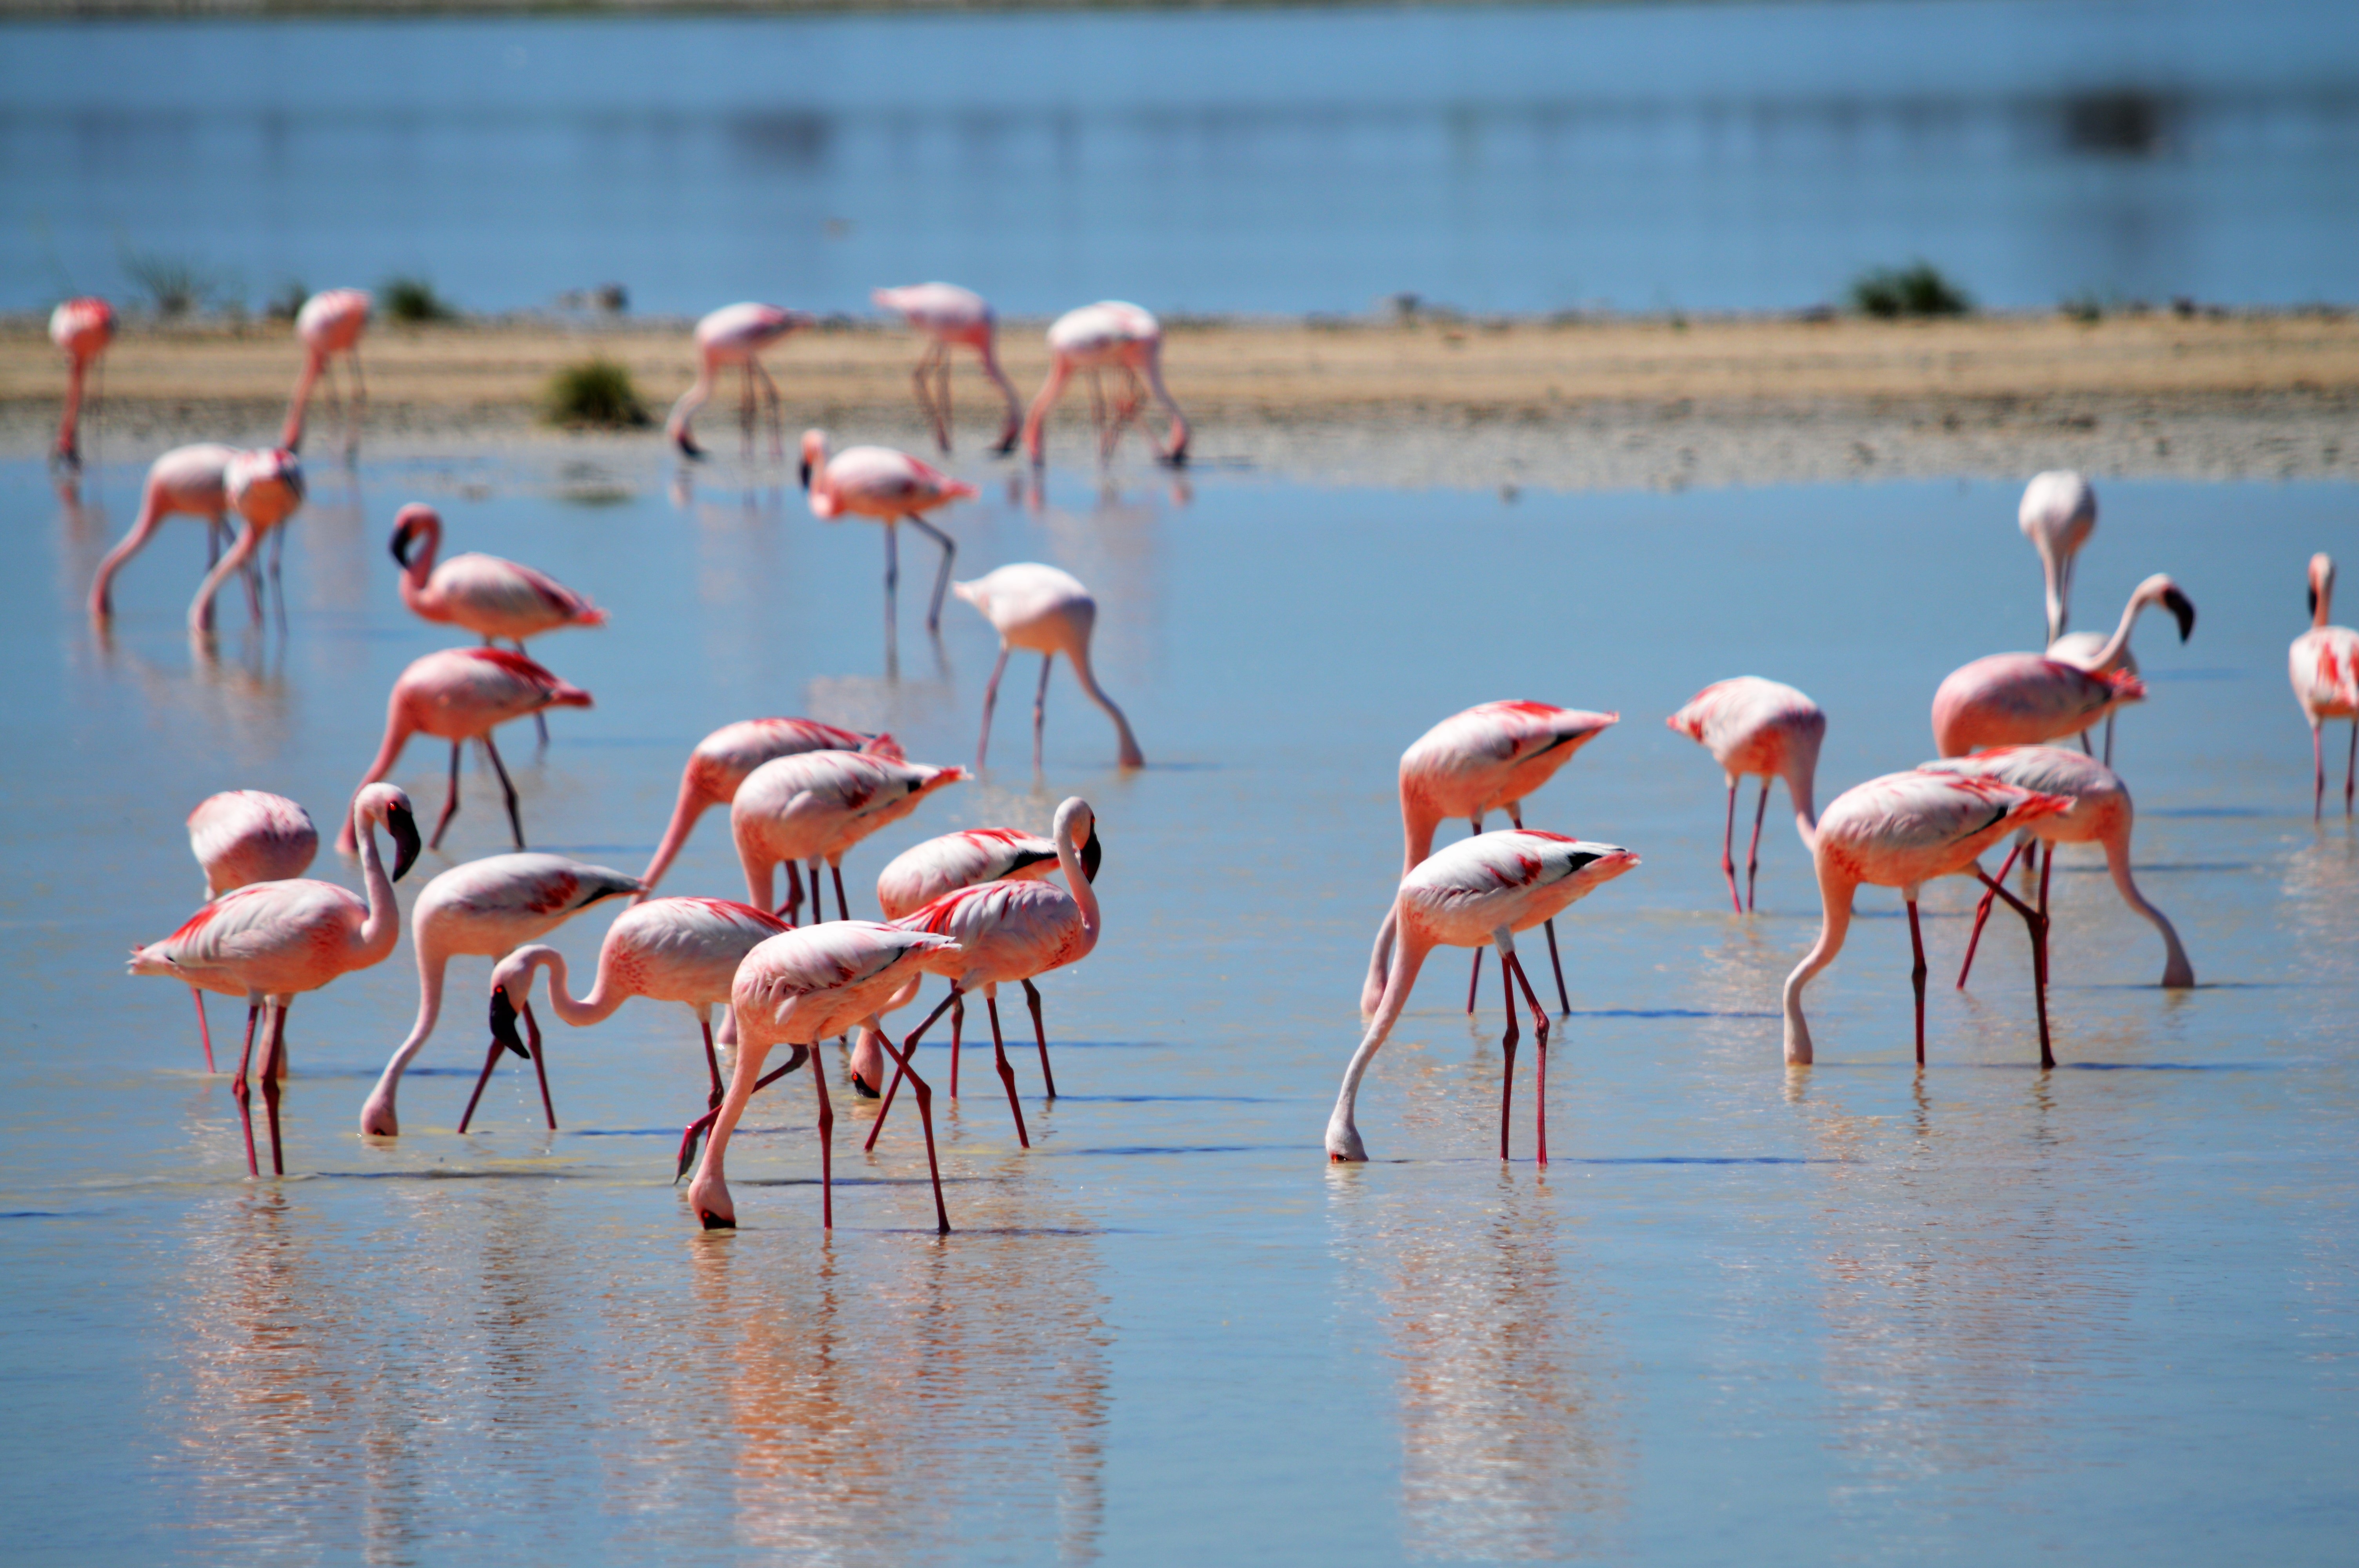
(1561, 403)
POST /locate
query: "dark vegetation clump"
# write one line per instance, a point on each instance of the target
(174, 285)
(413, 299)
(595, 393)
(1915, 290)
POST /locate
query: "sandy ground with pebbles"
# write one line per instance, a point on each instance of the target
(1608, 405)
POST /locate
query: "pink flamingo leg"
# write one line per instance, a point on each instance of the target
(1040, 1034)
(239, 1092)
(925, 1114)
(1474, 975)
(842, 910)
(1540, 1039)
(204, 1028)
(1753, 855)
(958, 1025)
(712, 1064)
(491, 1060)
(1006, 1072)
(515, 822)
(540, 1065)
(1981, 913)
(907, 1046)
(1916, 977)
(696, 1129)
(1563, 997)
(1040, 707)
(2350, 767)
(990, 700)
(449, 802)
(1508, 1051)
(826, 1147)
(2037, 924)
(1728, 848)
(269, 1075)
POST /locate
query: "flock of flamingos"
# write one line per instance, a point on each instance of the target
(978, 907)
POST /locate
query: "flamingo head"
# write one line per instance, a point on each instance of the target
(1092, 854)
(265, 486)
(514, 971)
(2321, 583)
(1077, 824)
(386, 805)
(814, 455)
(413, 520)
(2160, 590)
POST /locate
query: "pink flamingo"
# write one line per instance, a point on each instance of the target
(2324, 666)
(668, 949)
(81, 328)
(893, 488)
(265, 489)
(1110, 335)
(734, 335)
(2096, 652)
(816, 805)
(488, 908)
(1902, 831)
(2024, 700)
(192, 480)
(241, 837)
(2058, 514)
(798, 989)
(1048, 613)
(723, 760)
(950, 316)
(1485, 759)
(2100, 814)
(461, 695)
(1007, 930)
(1478, 889)
(279, 940)
(1752, 726)
(330, 324)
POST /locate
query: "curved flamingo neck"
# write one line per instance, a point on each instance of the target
(249, 540)
(420, 572)
(2322, 590)
(691, 805)
(2110, 655)
(382, 929)
(595, 1008)
(1077, 654)
(398, 727)
(1077, 882)
(292, 437)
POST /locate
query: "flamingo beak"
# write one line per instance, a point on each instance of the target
(2183, 610)
(806, 473)
(2313, 598)
(860, 1086)
(688, 447)
(405, 843)
(401, 537)
(503, 1029)
(1092, 855)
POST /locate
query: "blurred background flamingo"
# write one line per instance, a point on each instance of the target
(950, 316)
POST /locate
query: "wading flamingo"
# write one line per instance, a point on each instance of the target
(1005, 931)
(723, 759)
(1048, 613)
(1485, 759)
(1752, 726)
(1478, 890)
(461, 695)
(487, 908)
(265, 489)
(81, 328)
(893, 488)
(2324, 664)
(192, 480)
(330, 325)
(1110, 335)
(814, 806)
(241, 837)
(2023, 699)
(734, 335)
(1901, 831)
(2058, 514)
(952, 317)
(2099, 653)
(668, 949)
(798, 989)
(2100, 814)
(279, 940)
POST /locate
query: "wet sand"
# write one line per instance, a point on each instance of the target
(1623, 403)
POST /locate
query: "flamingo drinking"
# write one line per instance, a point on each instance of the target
(893, 488)
(81, 328)
(1110, 335)
(241, 837)
(950, 316)
(2324, 666)
(266, 488)
(190, 481)
(330, 325)
(723, 760)
(1047, 612)
(2058, 514)
(2099, 653)
(1752, 726)
(814, 806)
(734, 335)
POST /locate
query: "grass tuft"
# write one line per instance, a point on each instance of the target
(595, 393)
(1917, 289)
(173, 285)
(413, 299)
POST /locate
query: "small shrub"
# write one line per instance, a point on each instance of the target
(1917, 289)
(2085, 309)
(413, 299)
(596, 392)
(174, 287)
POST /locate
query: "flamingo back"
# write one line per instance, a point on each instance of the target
(246, 836)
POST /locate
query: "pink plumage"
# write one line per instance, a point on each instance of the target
(1763, 728)
(734, 335)
(2023, 699)
(1110, 335)
(724, 760)
(950, 316)
(924, 872)
(81, 328)
(817, 806)
(250, 836)
(888, 487)
(265, 489)
(1045, 610)
(484, 594)
(329, 326)
(2323, 663)
(187, 480)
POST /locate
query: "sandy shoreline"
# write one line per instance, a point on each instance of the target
(1611, 405)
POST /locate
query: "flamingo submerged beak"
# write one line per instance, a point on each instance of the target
(860, 1086)
(2183, 610)
(1092, 856)
(688, 447)
(503, 1029)
(406, 841)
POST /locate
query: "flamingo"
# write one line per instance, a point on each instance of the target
(461, 695)
(892, 487)
(191, 479)
(2324, 664)
(816, 805)
(1902, 831)
(2100, 814)
(970, 857)
(950, 316)
(279, 940)
(488, 907)
(1048, 613)
(734, 335)
(81, 328)
(241, 837)
(1110, 335)
(1478, 889)
(721, 761)
(1754, 726)
(265, 488)
(2058, 514)
(1008, 931)
(2099, 653)
(797, 988)
(2024, 700)
(330, 324)
(668, 949)
(1485, 759)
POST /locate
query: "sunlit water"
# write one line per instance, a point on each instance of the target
(1525, 158)
(1981, 1315)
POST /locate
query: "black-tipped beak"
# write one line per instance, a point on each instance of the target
(503, 1029)
(688, 447)
(2313, 601)
(860, 1086)
(806, 473)
(1092, 855)
(2183, 610)
(401, 537)
(405, 843)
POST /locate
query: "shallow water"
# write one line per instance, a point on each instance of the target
(1856, 1313)
(1525, 158)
